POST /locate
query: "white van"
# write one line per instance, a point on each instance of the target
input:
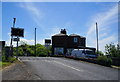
(83, 53)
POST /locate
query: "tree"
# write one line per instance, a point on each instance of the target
(112, 50)
(41, 50)
(24, 48)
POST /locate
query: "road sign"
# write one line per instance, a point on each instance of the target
(48, 41)
(17, 32)
(16, 39)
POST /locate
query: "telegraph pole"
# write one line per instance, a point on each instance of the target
(97, 37)
(17, 48)
(35, 41)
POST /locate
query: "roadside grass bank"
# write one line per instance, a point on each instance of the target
(113, 66)
(5, 63)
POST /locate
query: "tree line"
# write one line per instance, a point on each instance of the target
(29, 50)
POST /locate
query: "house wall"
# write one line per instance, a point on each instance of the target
(72, 44)
(59, 42)
(66, 42)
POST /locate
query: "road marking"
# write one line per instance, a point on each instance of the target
(68, 66)
(64, 65)
(58, 63)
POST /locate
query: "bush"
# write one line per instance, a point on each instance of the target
(3, 59)
(12, 59)
(103, 60)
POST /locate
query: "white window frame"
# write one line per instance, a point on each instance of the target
(75, 39)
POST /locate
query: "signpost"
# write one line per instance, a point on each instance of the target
(17, 32)
(16, 39)
(11, 46)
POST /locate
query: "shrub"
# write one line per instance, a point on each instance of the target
(103, 60)
(12, 59)
(3, 59)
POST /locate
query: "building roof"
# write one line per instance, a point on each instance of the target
(60, 34)
(73, 35)
(76, 35)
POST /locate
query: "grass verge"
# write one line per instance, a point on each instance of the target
(10, 61)
(4, 64)
(113, 66)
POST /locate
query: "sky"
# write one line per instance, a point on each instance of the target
(49, 17)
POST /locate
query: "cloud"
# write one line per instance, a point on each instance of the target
(30, 42)
(52, 31)
(35, 13)
(30, 7)
(107, 40)
(105, 21)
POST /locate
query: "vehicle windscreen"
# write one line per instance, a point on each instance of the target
(89, 52)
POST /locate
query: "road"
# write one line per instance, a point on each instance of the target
(51, 68)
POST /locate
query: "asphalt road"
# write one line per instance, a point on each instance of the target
(51, 68)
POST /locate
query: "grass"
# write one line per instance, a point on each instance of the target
(4, 64)
(118, 67)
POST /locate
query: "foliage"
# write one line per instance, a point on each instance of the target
(100, 53)
(4, 64)
(29, 50)
(12, 59)
(103, 60)
(112, 50)
(3, 58)
(41, 50)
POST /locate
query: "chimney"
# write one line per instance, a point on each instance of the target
(63, 31)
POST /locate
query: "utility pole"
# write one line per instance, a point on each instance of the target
(35, 41)
(17, 48)
(97, 37)
(11, 46)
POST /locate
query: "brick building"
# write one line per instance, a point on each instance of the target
(63, 43)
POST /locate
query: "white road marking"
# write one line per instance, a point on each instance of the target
(57, 63)
(65, 65)
(68, 66)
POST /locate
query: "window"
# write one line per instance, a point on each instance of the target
(59, 51)
(75, 39)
